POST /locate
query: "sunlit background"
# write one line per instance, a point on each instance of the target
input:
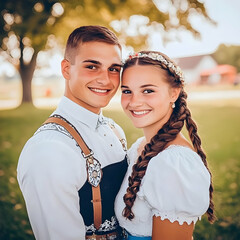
(48, 84)
(203, 38)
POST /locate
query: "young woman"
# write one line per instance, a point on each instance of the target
(168, 185)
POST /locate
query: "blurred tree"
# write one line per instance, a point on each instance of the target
(24, 29)
(27, 26)
(228, 55)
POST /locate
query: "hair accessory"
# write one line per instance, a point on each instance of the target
(173, 105)
(162, 59)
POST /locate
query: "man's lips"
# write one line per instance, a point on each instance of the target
(98, 90)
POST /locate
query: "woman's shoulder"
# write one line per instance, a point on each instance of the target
(178, 164)
(176, 182)
(181, 159)
(183, 151)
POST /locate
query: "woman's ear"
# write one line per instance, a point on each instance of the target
(175, 94)
(65, 67)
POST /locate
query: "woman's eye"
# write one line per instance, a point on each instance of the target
(126, 91)
(148, 91)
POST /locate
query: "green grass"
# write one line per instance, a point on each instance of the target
(16, 126)
(220, 133)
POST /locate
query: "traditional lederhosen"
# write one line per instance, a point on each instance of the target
(101, 188)
(110, 184)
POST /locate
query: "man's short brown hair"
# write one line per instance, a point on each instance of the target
(85, 34)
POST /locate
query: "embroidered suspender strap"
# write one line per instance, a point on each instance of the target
(93, 167)
(72, 131)
(122, 140)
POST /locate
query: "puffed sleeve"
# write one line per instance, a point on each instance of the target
(176, 185)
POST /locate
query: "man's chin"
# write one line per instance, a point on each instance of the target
(104, 104)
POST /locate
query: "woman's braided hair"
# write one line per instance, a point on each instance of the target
(166, 134)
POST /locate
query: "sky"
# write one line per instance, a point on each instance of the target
(226, 13)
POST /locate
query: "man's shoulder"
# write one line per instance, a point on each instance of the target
(50, 137)
(49, 148)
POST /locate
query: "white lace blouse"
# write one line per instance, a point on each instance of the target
(175, 187)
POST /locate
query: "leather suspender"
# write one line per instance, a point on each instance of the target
(88, 155)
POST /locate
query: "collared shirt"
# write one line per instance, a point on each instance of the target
(51, 170)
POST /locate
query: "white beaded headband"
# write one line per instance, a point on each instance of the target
(162, 59)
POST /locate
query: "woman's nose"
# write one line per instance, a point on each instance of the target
(135, 101)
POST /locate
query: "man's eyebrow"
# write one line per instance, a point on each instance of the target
(116, 65)
(124, 86)
(92, 61)
(99, 63)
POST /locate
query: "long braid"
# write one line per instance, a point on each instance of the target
(164, 136)
(196, 141)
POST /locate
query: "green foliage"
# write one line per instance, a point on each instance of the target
(228, 55)
(27, 19)
(220, 134)
(25, 28)
(28, 26)
(122, 10)
(36, 20)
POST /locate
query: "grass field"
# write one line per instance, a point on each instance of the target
(219, 128)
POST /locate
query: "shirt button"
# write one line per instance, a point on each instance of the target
(104, 135)
(111, 145)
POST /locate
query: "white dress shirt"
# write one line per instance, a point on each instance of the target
(51, 170)
(175, 187)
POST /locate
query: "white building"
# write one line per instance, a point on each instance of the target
(193, 66)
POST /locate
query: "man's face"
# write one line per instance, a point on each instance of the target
(94, 77)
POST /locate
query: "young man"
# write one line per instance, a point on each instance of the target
(52, 174)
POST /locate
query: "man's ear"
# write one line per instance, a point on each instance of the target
(65, 67)
(175, 94)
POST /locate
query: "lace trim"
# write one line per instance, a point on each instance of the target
(171, 216)
(180, 219)
(104, 227)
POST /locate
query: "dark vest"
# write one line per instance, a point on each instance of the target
(110, 184)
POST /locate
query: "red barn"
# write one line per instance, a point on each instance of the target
(223, 74)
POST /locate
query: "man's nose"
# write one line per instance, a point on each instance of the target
(103, 77)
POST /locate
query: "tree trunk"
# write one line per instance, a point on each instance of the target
(26, 72)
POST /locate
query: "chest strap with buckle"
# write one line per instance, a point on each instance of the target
(94, 171)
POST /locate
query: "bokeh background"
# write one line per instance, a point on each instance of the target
(202, 36)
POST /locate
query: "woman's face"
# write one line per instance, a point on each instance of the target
(147, 97)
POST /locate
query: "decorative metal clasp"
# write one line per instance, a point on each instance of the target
(94, 170)
(88, 155)
(124, 144)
